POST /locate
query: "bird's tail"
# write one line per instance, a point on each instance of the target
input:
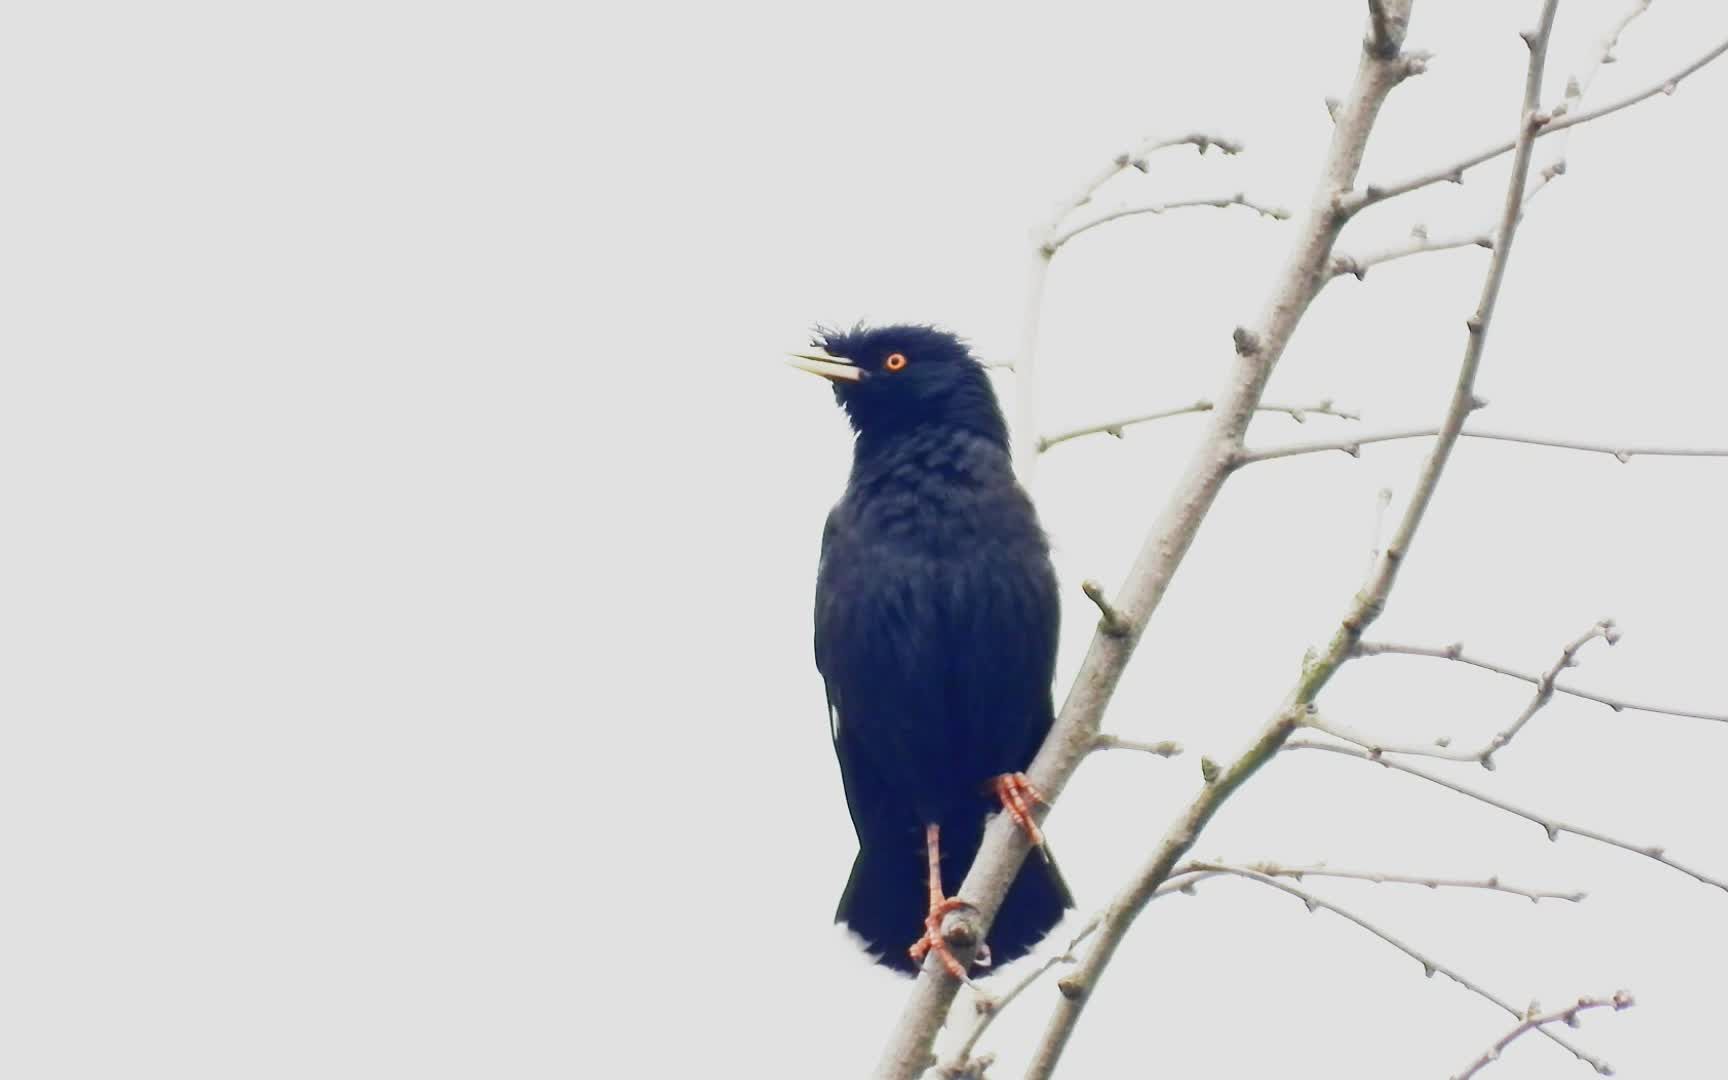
(888, 893)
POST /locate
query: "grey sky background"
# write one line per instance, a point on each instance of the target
(409, 528)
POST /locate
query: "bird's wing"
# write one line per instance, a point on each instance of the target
(1001, 658)
(867, 790)
(823, 660)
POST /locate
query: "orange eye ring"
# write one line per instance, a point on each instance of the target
(895, 361)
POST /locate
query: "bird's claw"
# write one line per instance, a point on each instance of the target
(1018, 797)
(933, 941)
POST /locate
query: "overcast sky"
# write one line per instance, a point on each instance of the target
(409, 527)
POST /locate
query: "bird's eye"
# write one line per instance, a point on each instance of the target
(895, 361)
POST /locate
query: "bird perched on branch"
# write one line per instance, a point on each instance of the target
(936, 623)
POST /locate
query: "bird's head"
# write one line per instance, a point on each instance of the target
(893, 378)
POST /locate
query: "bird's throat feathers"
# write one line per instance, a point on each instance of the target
(964, 411)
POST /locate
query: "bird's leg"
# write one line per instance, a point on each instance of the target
(939, 907)
(1018, 795)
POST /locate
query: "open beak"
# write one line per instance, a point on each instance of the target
(832, 368)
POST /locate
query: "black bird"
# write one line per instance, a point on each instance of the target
(936, 623)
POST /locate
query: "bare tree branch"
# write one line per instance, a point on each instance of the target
(1579, 84)
(1534, 1021)
(1545, 686)
(1421, 243)
(1430, 966)
(1375, 79)
(1163, 748)
(1454, 172)
(1136, 159)
(1357, 266)
(1354, 446)
(1201, 141)
(1439, 748)
(1025, 366)
(1553, 826)
(1484, 755)
(1298, 413)
(1491, 884)
(1456, 652)
(1276, 213)
(1074, 736)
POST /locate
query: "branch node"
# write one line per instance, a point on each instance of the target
(1165, 748)
(1209, 770)
(1247, 341)
(1111, 622)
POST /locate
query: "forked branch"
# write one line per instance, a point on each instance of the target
(1554, 827)
(1535, 1021)
(1430, 966)
(1456, 652)
(1374, 81)
(1454, 171)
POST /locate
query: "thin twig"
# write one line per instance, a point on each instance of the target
(1298, 413)
(1454, 172)
(1456, 652)
(1484, 755)
(1430, 966)
(1025, 366)
(1201, 141)
(1491, 884)
(1534, 1021)
(1166, 748)
(1276, 213)
(1440, 748)
(1110, 621)
(1357, 266)
(1553, 826)
(1545, 686)
(1354, 446)
(1579, 85)
(1136, 159)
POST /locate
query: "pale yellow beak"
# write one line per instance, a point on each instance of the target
(833, 368)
